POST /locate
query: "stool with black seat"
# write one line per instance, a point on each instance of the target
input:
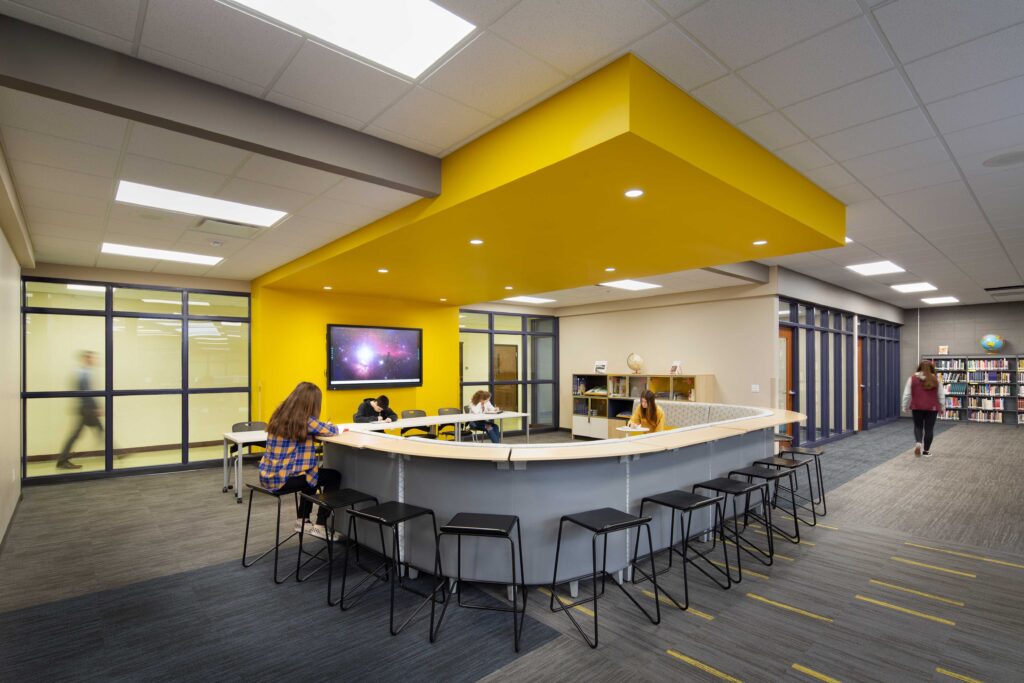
(233, 448)
(483, 525)
(601, 522)
(447, 431)
(333, 501)
(815, 453)
(468, 430)
(773, 476)
(795, 464)
(425, 432)
(686, 504)
(253, 488)
(734, 488)
(392, 514)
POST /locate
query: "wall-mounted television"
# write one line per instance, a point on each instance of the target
(359, 357)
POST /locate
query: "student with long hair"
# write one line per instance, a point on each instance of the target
(290, 463)
(648, 414)
(924, 396)
(481, 404)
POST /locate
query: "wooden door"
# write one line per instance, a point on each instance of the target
(786, 362)
(506, 368)
(860, 383)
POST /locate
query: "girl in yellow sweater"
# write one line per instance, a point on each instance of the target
(648, 414)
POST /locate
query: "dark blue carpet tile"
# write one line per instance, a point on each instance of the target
(227, 623)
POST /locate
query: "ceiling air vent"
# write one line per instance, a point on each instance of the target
(1013, 293)
(228, 229)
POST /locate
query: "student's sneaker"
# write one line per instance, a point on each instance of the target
(320, 531)
(917, 450)
(298, 524)
(68, 465)
(927, 454)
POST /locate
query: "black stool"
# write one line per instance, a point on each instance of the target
(277, 531)
(732, 487)
(392, 514)
(686, 504)
(773, 476)
(602, 522)
(333, 501)
(490, 526)
(795, 465)
(815, 453)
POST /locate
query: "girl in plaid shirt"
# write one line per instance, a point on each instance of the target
(290, 463)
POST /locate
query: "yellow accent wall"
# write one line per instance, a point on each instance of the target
(289, 345)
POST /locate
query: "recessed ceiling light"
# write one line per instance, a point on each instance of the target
(476, 243)
(849, 241)
(633, 194)
(1003, 160)
(876, 268)
(760, 243)
(915, 287)
(942, 300)
(528, 300)
(196, 205)
(407, 36)
(631, 285)
(328, 287)
(509, 287)
(382, 270)
(87, 288)
(443, 299)
(159, 254)
(609, 270)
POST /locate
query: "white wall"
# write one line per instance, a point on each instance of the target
(10, 384)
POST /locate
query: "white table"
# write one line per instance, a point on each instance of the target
(240, 439)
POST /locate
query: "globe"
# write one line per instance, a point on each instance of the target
(634, 362)
(991, 342)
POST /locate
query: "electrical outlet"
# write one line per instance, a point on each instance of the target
(755, 388)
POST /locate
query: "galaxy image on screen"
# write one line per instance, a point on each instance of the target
(373, 356)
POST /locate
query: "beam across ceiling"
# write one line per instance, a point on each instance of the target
(53, 65)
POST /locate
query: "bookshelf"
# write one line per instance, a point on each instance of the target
(601, 403)
(986, 388)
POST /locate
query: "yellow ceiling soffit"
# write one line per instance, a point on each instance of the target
(544, 191)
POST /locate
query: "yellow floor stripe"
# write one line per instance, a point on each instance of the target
(823, 526)
(802, 542)
(932, 566)
(745, 570)
(564, 601)
(777, 555)
(959, 677)
(911, 590)
(702, 666)
(929, 617)
(967, 555)
(689, 610)
(789, 608)
(815, 674)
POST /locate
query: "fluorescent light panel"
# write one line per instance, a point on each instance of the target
(87, 288)
(876, 268)
(196, 205)
(159, 254)
(941, 300)
(528, 300)
(915, 287)
(407, 36)
(631, 285)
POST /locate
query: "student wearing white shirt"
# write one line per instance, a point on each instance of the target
(480, 404)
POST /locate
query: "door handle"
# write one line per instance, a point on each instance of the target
(791, 393)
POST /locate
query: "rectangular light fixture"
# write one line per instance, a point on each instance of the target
(849, 241)
(915, 287)
(87, 288)
(941, 300)
(631, 285)
(160, 254)
(876, 268)
(407, 36)
(528, 300)
(195, 204)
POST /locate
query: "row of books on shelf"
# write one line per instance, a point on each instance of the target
(955, 387)
(984, 416)
(988, 363)
(986, 377)
(987, 403)
(991, 390)
(942, 364)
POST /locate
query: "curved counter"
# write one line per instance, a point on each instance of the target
(541, 482)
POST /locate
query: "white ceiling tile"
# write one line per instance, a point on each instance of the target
(33, 175)
(85, 21)
(850, 194)
(36, 214)
(61, 201)
(149, 171)
(172, 268)
(740, 32)
(219, 37)
(266, 196)
(432, 118)
(871, 214)
(126, 216)
(151, 240)
(573, 34)
(998, 182)
(63, 243)
(294, 231)
(199, 71)
(124, 263)
(917, 28)
(732, 99)
(980, 62)
(340, 213)
(830, 176)
(42, 115)
(493, 76)
(65, 257)
(902, 181)
(178, 148)
(329, 79)
(65, 232)
(832, 59)
(677, 7)
(973, 108)
(991, 137)
(669, 51)
(973, 165)
(866, 100)
(376, 196)
(24, 145)
(894, 159)
(804, 156)
(315, 110)
(264, 169)
(772, 131)
(404, 140)
(480, 13)
(949, 204)
(892, 131)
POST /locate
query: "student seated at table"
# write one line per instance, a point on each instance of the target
(375, 410)
(480, 404)
(290, 463)
(648, 414)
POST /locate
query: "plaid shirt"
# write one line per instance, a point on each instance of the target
(286, 458)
